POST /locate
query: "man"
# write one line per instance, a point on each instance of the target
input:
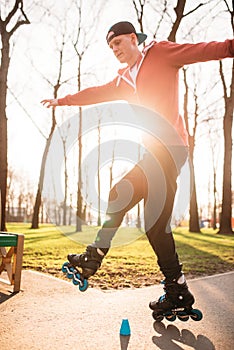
(150, 80)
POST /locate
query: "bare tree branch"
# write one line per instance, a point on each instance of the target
(179, 10)
(163, 13)
(231, 11)
(139, 12)
(26, 112)
(195, 9)
(12, 12)
(18, 5)
(223, 80)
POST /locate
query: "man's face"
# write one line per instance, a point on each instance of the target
(123, 47)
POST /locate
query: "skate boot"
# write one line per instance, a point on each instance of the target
(89, 262)
(176, 302)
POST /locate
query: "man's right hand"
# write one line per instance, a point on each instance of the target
(50, 102)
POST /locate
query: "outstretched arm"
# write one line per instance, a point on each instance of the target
(89, 96)
(181, 54)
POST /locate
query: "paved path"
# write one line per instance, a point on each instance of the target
(52, 314)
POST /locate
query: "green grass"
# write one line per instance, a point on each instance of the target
(131, 265)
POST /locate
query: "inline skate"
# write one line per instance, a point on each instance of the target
(176, 302)
(89, 262)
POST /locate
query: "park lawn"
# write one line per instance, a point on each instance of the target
(129, 265)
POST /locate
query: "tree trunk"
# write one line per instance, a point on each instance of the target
(65, 184)
(5, 62)
(179, 10)
(193, 211)
(4, 67)
(79, 193)
(214, 225)
(37, 205)
(226, 214)
(3, 161)
(98, 174)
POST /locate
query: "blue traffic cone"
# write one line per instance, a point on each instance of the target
(125, 328)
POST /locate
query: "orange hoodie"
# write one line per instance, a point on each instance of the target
(156, 85)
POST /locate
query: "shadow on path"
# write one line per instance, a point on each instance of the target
(7, 295)
(169, 337)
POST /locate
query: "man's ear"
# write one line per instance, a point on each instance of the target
(134, 39)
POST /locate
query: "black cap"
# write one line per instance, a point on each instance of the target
(121, 28)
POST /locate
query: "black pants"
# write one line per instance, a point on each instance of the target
(153, 179)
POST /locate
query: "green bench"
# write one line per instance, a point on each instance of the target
(11, 258)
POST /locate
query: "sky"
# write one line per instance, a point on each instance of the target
(35, 60)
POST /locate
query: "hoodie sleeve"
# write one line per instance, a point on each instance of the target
(182, 54)
(92, 95)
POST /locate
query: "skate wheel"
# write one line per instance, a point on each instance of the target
(83, 285)
(65, 267)
(170, 317)
(69, 275)
(196, 315)
(76, 279)
(158, 318)
(70, 272)
(183, 316)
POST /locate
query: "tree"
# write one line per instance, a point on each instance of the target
(9, 21)
(81, 44)
(63, 137)
(37, 205)
(139, 8)
(193, 208)
(213, 145)
(98, 172)
(194, 217)
(56, 86)
(179, 11)
(226, 214)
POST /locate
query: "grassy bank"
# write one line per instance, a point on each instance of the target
(131, 265)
